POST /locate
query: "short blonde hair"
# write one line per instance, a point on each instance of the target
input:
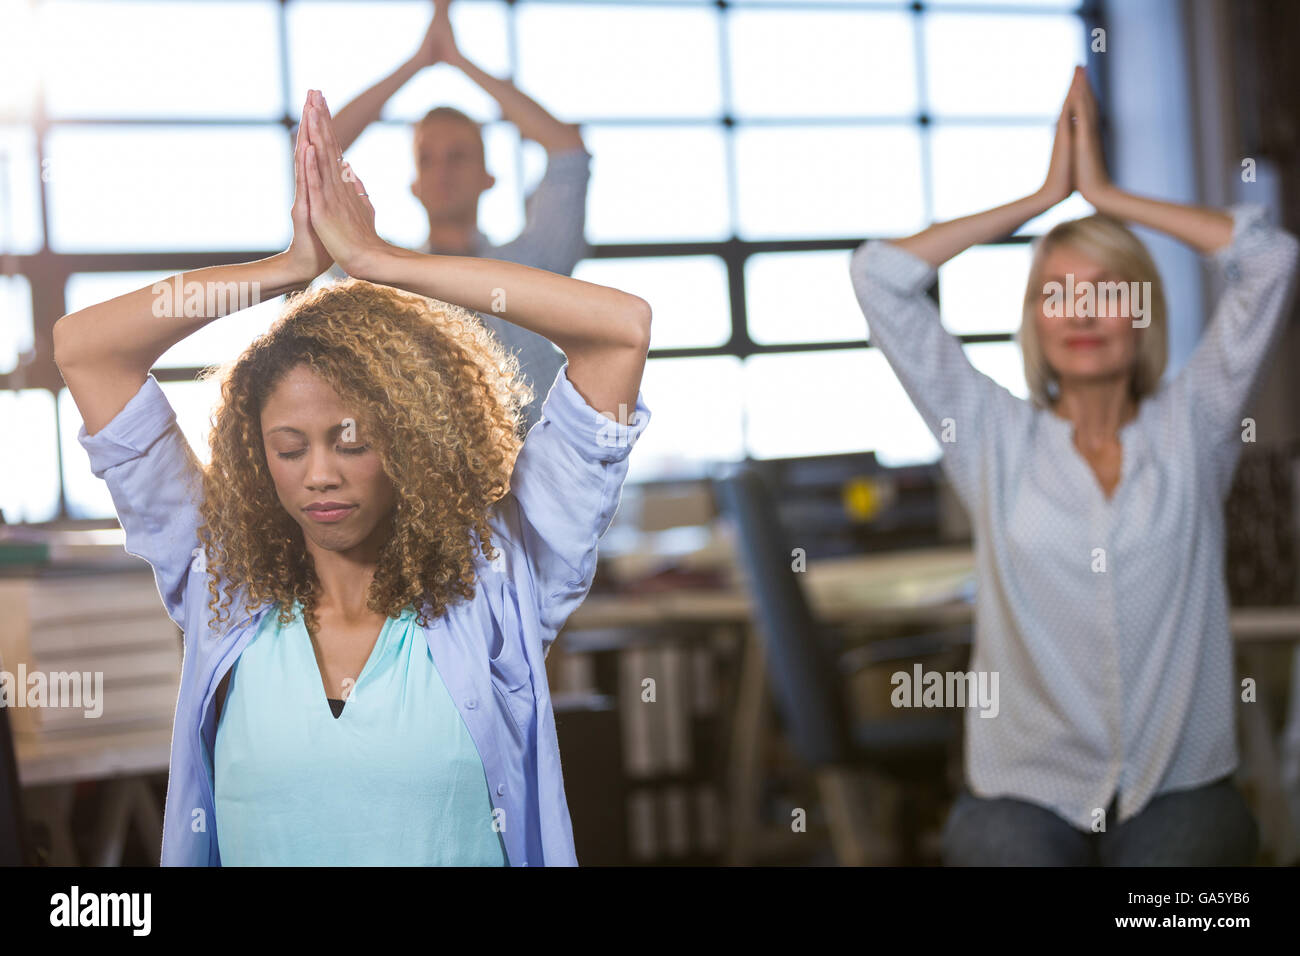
(1116, 248)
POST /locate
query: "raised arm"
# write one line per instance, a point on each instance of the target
(891, 279)
(532, 120)
(1205, 230)
(604, 333)
(366, 108)
(105, 351)
(1259, 263)
(943, 240)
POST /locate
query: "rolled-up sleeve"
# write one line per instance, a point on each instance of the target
(564, 491)
(951, 395)
(156, 486)
(555, 217)
(1259, 271)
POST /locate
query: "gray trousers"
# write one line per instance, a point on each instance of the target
(1204, 826)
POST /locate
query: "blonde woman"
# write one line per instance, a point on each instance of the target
(371, 570)
(1098, 519)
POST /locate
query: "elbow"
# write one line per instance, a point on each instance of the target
(639, 325)
(62, 342)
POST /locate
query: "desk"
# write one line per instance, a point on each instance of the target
(50, 771)
(101, 618)
(879, 594)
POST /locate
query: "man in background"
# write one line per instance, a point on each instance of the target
(451, 174)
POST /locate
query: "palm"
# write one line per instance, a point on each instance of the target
(306, 250)
(1089, 164)
(439, 44)
(341, 214)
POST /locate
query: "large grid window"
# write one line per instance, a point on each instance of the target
(741, 151)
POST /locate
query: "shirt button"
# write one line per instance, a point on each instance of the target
(471, 704)
(501, 788)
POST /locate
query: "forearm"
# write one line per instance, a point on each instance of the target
(1206, 230)
(531, 119)
(939, 243)
(575, 315)
(351, 121)
(133, 330)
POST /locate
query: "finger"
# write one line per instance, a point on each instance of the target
(327, 166)
(325, 126)
(315, 187)
(301, 200)
(349, 175)
(363, 192)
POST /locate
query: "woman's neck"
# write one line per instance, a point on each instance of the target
(1098, 410)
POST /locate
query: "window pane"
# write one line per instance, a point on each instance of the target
(657, 185)
(15, 321)
(898, 435)
(688, 295)
(630, 62)
(801, 297)
(798, 182)
(982, 290)
(218, 341)
(805, 404)
(344, 48)
(695, 410)
(135, 59)
(169, 189)
(1001, 361)
(822, 63)
(194, 403)
(990, 65)
(87, 496)
(19, 60)
(842, 402)
(979, 167)
(29, 492)
(20, 196)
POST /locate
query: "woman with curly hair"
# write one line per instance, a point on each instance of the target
(371, 570)
(1098, 517)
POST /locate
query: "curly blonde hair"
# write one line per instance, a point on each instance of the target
(447, 401)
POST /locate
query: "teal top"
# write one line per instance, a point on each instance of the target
(394, 780)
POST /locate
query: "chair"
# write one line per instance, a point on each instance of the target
(907, 756)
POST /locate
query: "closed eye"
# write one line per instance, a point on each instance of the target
(301, 452)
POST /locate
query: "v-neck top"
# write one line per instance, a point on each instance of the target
(393, 779)
(1106, 619)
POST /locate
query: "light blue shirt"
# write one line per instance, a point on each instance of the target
(1106, 619)
(394, 780)
(489, 650)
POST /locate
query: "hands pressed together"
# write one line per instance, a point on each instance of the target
(1077, 161)
(333, 219)
(439, 44)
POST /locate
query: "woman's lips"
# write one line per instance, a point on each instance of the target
(334, 514)
(1083, 343)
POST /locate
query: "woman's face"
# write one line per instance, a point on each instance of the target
(1085, 338)
(319, 451)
